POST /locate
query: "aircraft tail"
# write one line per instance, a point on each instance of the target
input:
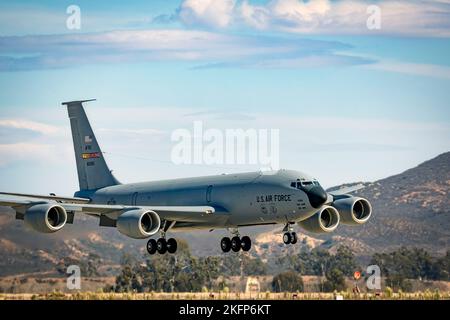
(93, 172)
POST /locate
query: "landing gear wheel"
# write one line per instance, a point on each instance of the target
(287, 238)
(161, 245)
(246, 243)
(172, 245)
(225, 244)
(151, 246)
(235, 244)
(293, 238)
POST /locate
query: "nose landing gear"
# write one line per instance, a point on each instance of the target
(289, 236)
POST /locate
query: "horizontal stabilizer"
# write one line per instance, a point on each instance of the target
(76, 102)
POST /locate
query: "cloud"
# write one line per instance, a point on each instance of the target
(132, 131)
(214, 13)
(221, 115)
(39, 18)
(27, 151)
(412, 18)
(28, 140)
(202, 47)
(416, 69)
(336, 148)
(310, 61)
(38, 127)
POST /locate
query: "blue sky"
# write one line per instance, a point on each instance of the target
(351, 103)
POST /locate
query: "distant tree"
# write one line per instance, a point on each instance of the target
(441, 268)
(289, 281)
(288, 262)
(88, 266)
(254, 266)
(398, 282)
(127, 259)
(169, 273)
(184, 283)
(415, 263)
(403, 264)
(230, 264)
(314, 262)
(344, 261)
(335, 280)
(211, 270)
(319, 261)
(124, 281)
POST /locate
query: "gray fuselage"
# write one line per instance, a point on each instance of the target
(244, 199)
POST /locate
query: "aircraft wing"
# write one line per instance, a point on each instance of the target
(172, 213)
(347, 190)
(42, 197)
(21, 202)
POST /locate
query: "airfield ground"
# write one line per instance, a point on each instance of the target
(426, 295)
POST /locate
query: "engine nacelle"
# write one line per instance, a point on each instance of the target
(353, 210)
(323, 221)
(138, 223)
(45, 218)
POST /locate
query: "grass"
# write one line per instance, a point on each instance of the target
(425, 295)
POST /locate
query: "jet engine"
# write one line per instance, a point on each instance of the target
(353, 210)
(138, 223)
(323, 221)
(45, 218)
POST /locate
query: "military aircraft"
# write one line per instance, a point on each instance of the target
(227, 201)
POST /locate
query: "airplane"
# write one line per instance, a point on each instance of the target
(227, 201)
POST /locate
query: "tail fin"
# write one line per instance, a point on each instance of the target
(93, 172)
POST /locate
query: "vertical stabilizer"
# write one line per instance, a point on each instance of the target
(93, 172)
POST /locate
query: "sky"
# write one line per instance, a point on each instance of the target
(359, 90)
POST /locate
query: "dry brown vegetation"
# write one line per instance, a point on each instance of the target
(426, 295)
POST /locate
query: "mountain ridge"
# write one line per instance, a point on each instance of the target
(410, 209)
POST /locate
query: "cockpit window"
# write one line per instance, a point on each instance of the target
(302, 184)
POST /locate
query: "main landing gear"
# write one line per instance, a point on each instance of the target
(236, 243)
(289, 237)
(162, 246)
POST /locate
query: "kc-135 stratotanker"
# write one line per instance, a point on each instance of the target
(227, 201)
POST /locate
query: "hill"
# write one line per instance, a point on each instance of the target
(410, 209)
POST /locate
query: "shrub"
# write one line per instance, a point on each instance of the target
(288, 281)
(388, 292)
(335, 281)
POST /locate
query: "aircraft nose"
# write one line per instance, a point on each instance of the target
(317, 196)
